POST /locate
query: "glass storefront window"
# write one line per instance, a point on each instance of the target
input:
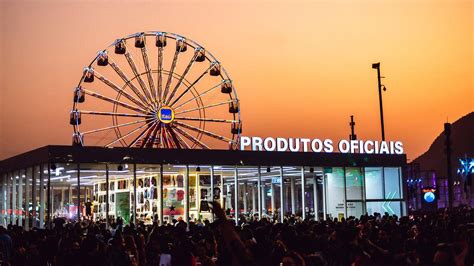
(382, 207)
(355, 209)
(21, 208)
(227, 189)
(392, 183)
(354, 191)
(43, 195)
(335, 196)
(63, 191)
(28, 197)
(374, 183)
(354, 183)
(134, 193)
(248, 191)
(36, 196)
(148, 178)
(90, 175)
(14, 197)
(271, 179)
(174, 192)
(292, 191)
(206, 187)
(120, 191)
(313, 206)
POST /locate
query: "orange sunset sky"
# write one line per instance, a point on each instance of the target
(300, 68)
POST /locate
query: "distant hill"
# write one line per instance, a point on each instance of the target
(462, 139)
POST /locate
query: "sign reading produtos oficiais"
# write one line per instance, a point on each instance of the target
(320, 145)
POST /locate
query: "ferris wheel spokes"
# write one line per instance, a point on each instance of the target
(118, 89)
(149, 75)
(128, 134)
(180, 139)
(135, 71)
(170, 76)
(168, 138)
(190, 64)
(205, 132)
(140, 136)
(114, 114)
(204, 107)
(191, 138)
(175, 142)
(108, 99)
(151, 140)
(218, 120)
(128, 82)
(199, 95)
(191, 85)
(115, 126)
(159, 90)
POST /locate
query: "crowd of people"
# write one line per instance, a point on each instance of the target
(445, 237)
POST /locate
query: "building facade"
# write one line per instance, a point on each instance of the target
(146, 185)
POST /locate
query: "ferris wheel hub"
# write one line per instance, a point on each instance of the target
(165, 114)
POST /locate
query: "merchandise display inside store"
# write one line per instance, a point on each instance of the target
(147, 186)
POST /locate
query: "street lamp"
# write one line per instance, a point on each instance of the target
(377, 66)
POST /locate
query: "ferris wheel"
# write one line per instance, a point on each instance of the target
(155, 90)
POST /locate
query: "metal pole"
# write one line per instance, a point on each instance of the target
(236, 196)
(61, 202)
(14, 199)
(272, 198)
(244, 196)
(377, 66)
(345, 194)
(415, 186)
(364, 194)
(160, 195)
(70, 195)
(27, 200)
(315, 197)
(447, 132)
(135, 196)
(303, 203)
(282, 198)
(221, 196)
(186, 193)
(254, 209)
(107, 195)
(8, 199)
(33, 195)
(259, 193)
(78, 191)
(264, 206)
(41, 191)
(324, 197)
(4, 199)
(212, 189)
(20, 198)
(293, 192)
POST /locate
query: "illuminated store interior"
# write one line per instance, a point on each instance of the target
(146, 192)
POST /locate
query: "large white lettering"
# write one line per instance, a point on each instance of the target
(269, 144)
(320, 145)
(282, 144)
(244, 142)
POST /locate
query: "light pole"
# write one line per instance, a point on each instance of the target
(377, 66)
